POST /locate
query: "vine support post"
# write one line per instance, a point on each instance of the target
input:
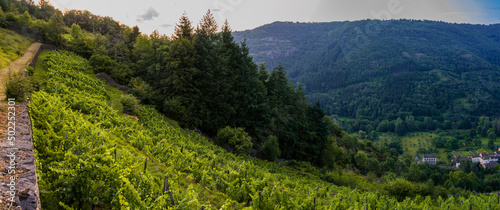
(145, 164)
(165, 189)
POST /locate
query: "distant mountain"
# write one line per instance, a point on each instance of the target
(376, 70)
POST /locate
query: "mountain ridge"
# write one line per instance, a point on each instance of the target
(347, 65)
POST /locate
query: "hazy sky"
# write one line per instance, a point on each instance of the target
(247, 14)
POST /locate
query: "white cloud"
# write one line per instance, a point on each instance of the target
(149, 15)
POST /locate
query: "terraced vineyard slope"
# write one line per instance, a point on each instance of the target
(91, 156)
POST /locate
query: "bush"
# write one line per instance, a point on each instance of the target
(270, 148)
(130, 104)
(10, 16)
(30, 71)
(235, 137)
(173, 108)
(101, 62)
(18, 87)
(3, 21)
(401, 189)
(121, 73)
(141, 89)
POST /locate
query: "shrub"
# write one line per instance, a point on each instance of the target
(3, 21)
(271, 148)
(235, 137)
(130, 104)
(101, 62)
(30, 71)
(141, 89)
(10, 16)
(121, 73)
(401, 189)
(18, 87)
(174, 109)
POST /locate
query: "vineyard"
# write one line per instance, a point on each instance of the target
(91, 156)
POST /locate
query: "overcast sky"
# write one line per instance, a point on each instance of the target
(248, 14)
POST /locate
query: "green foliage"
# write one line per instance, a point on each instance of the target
(235, 137)
(130, 104)
(25, 19)
(360, 74)
(205, 80)
(80, 43)
(174, 109)
(184, 28)
(77, 168)
(452, 144)
(30, 70)
(373, 135)
(100, 61)
(270, 148)
(361, 161)
(141, 89)
(400, 127)
(3, 20)
(55, 29)
(401, 189)
(12, 46)
(18, 87)
(121, 73)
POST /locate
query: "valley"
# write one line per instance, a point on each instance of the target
(300, 116)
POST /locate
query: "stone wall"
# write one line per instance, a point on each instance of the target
(19, 182)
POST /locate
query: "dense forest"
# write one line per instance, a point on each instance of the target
(441, 75)
(209, 83)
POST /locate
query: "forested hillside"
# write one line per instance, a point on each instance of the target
(368, 71)
(122, 119)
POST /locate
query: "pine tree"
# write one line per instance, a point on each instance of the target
(213, 107)
(183, 29)
(181, 84)
(207, 25)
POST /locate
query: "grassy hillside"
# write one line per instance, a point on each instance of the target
(12, 46)
(375, 70)
(78, 135)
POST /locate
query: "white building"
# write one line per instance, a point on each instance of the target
(431, 159)
(475, 158)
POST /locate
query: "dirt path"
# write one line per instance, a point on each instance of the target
(17, 66)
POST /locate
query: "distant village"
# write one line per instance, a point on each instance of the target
(486, 160)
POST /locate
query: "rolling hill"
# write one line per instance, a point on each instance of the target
(374, 70)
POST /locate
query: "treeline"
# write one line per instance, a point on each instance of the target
(486, 127)
(475, 126)
(203, 79)
(199, 77)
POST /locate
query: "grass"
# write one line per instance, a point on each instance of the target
(37, 75)
(12, 46)
(463, 153)
(442, 155)
(411, 143)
